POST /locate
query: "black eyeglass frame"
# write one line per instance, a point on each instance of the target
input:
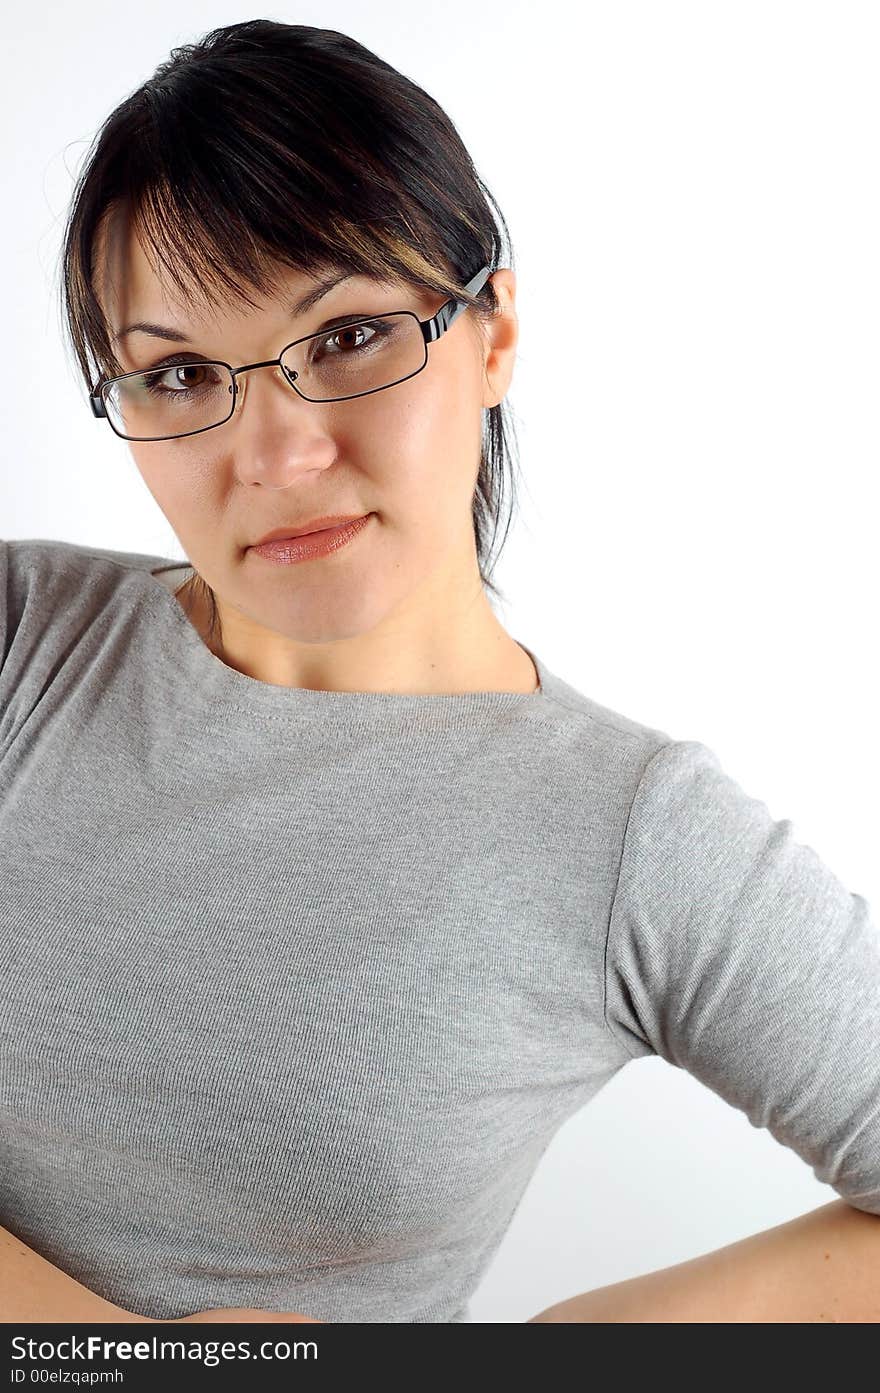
(431, 329)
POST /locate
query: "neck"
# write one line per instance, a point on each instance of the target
(469, 652)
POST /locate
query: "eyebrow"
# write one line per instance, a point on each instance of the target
(299, 307)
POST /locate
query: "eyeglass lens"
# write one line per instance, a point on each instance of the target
(182, 398)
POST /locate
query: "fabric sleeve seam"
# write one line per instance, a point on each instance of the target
(619, 1039)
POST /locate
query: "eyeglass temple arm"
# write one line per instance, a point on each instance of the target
(431, 328)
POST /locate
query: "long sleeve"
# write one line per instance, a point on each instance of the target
(735, 953)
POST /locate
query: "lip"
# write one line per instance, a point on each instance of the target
(309, 545)
(324, 524)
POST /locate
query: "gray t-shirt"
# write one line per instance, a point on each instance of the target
(296, 987)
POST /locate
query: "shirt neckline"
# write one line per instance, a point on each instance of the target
(224, 684)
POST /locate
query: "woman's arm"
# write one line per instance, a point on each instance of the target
(821, 1267)
(32, 1289)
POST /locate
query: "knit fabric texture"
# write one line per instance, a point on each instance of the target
(297, 986)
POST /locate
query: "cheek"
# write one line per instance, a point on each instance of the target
(424, 430)
(179, 481)
(153, 466)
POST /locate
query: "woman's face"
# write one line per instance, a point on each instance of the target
(408, 456)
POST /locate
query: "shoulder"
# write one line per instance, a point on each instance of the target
(597, 740)
(40, 559)
(50, 589)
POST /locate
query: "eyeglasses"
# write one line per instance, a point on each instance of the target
(187, 397)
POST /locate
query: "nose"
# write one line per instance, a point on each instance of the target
(273, 445)
(285, 375)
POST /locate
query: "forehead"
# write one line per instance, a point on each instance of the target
(130, 285)
(124, 277)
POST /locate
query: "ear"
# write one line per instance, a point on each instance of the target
(500, 337)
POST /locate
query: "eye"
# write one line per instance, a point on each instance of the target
(355, 339)
(350, 334)
(181, 379)
(169, 359)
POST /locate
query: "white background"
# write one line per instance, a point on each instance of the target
(692, 194)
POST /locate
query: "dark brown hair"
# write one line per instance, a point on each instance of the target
(267, 143)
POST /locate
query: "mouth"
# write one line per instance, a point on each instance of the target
(308, 529)
(308, 546)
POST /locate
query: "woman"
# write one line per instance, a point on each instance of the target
(325, 902)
